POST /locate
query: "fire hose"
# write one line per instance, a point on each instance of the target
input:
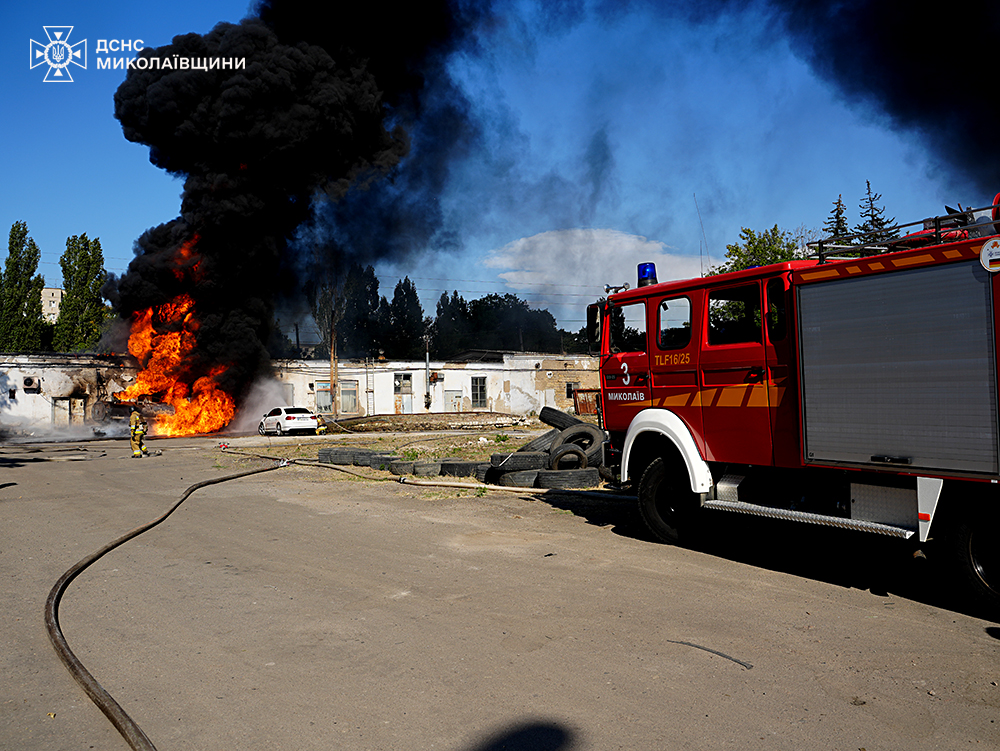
(125, 725)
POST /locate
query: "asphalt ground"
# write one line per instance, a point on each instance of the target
(309, 609)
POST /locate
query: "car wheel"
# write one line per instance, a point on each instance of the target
(260, 428)
(277, 428)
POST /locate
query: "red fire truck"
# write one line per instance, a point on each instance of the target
(857, 391)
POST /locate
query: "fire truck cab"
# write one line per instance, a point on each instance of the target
(858, 392)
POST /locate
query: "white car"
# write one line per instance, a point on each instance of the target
(282, 420)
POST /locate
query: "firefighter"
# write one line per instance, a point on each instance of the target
(137, 428)
(320, 425)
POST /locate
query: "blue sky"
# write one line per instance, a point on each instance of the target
(598, 136)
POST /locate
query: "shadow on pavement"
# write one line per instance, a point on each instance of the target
(533, 736)
(856, 560)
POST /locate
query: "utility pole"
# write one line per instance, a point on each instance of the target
(427, 373)
(334, 401)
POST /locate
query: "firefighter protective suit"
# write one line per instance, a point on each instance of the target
(137, 429)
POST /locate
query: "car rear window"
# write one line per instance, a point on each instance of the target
(296, 411)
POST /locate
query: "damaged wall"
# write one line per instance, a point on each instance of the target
(58, 390)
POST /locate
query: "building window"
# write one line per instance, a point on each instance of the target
(571, 386)
(479, 392)
(349, 397)
(402, 383)
(323, 401)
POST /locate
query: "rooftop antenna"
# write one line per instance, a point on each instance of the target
(704, 236)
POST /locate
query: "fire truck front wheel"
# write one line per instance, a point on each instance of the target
(666, 502)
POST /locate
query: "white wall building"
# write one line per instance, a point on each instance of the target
(62, 390)
(515, 384)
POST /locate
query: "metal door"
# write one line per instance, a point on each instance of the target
(625, 368)
(733, 376)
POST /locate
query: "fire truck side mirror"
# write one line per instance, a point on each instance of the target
(594, 329)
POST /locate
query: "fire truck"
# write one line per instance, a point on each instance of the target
(854, 388)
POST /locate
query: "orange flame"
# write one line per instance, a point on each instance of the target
(199, 407)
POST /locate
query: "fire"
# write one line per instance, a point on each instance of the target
(163, 339)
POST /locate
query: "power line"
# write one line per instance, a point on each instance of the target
(475, 281)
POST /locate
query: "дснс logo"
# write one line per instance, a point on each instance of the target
(58, 54)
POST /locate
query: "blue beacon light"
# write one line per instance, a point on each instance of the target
(647, 274)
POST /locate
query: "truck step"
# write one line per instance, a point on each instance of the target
(809, 518)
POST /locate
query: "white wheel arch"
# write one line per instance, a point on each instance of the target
(669, 425)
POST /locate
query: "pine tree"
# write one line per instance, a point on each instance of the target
(874, 225)
(836, 224)
(81, 313)
(21, 319)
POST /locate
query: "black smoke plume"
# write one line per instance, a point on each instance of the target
(926, 68)
(325, 109)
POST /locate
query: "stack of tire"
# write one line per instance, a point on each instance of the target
(568, 456)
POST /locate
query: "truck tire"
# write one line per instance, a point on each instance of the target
(974, 558)
(362, 457)
(382, 461)
(523, 460)
(577, 459)
(401, 467)
(340, 456)
(666, 503)
(568, 478)
(458, 468)
(487, 473)
(427, 469)
(588, 437)
(542, 443)
(521, 479)
(557, 419)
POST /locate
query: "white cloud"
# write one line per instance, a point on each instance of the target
(563, 270)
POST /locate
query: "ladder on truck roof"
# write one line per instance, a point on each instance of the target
(958, 224)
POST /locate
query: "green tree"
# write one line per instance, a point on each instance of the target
(358, 333)
(574, 342)
(758, 249)
(21, 319)
(450, 332)
(81, 313)
(874, 225)
(836, 224)
(505, 322)
(404, 335)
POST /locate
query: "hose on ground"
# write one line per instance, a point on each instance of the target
(125, 725)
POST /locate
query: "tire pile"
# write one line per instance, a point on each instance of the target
(568, 456)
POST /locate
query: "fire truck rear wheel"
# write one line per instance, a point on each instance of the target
(976, 558)
(664, 501)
